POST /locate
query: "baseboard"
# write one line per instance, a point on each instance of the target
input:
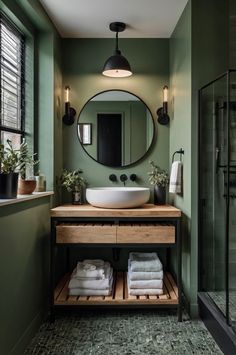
(216, 324)
(194, 311)
(23, 342)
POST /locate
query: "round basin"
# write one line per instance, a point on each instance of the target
(117, 197)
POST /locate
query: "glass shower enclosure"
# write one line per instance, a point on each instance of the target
(217, 194)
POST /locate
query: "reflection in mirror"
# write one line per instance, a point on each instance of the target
(84, 132)
(115, 128)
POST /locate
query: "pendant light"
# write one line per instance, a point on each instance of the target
(117, 66)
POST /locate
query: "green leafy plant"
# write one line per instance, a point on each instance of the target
(12, 160)
(9, 158)
(72, 180)
(157, 176)
(25, 159)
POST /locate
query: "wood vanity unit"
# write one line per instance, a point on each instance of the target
(147, 226)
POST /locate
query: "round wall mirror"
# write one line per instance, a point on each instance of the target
(115, 128)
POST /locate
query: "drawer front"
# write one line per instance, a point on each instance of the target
(87, 233)
(145, 234)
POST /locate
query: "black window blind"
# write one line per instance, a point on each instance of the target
(12, 53)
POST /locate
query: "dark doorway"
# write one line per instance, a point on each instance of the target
(109, 139)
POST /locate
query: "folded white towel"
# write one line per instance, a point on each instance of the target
(175, 186)
(97, 284)
(91, 270)
(144, 262)
(145, 284)
(144, 292)
(94, 262)
(89, 292)
(144, 275)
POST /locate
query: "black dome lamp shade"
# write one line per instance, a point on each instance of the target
(117, 66)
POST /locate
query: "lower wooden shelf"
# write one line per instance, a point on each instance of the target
(119, 294)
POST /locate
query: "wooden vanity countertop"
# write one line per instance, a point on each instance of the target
(147, 210)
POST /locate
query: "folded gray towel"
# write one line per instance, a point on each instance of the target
(144, 292)
(145, 262)
(144, 275)
(144, 284)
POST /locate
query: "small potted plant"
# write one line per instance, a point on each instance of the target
(9, 162)
(26, 185)
(159, 178)
(73, 182)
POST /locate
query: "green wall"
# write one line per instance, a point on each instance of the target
(210, 58)
(25, 226)
(24, 270)
(196, 49)
(180, 126)
(149, 59)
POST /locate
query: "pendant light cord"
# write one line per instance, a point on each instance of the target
(117, 48)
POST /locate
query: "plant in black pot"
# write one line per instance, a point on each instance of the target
(159, 178)
(26, 184)
(9, 162)
(73, 182)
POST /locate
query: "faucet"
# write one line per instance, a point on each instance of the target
(123, 178)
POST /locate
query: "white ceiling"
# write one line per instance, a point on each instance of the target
(91, 18)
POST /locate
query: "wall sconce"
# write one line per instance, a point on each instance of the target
(69, 116)
(162, 112)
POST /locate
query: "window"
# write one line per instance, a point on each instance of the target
(12, 79)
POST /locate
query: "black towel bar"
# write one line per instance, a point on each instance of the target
(180, 151)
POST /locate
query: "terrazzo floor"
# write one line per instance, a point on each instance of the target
(134, 332)
(219, 298)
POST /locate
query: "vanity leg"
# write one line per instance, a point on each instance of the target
(179, 263)
(67, 259)
(116, 254)
(52, 270)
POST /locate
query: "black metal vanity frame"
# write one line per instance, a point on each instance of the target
(175, 221)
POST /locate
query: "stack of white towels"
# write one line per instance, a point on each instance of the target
(91, 278)
(145, 274)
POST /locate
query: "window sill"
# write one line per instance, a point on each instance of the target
(22, 198)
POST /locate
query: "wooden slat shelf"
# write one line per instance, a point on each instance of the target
(119, 294)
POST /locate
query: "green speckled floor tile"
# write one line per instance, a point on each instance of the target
(134, 332)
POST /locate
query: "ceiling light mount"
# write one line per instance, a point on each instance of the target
(117, 26)
(117, 66)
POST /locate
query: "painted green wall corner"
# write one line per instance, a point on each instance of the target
(210, 58)
(25, 227)
(82, 71)
(48, 92)
(24, 267)
(180, 126)
(195, 59)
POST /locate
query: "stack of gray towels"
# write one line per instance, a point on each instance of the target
(145, 274)
(91, 278)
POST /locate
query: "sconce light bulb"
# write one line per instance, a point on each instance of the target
(165, 93)
(67, 88)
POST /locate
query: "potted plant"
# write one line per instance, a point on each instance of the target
(73, 182)
(26, 185)
(9, 162)
(159, 178)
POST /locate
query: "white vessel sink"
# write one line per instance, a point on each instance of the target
(117, 197)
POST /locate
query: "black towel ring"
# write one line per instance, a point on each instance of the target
(180, 151)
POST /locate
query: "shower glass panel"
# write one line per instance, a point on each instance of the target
(232, 201)
(217, 194)
(213, 204)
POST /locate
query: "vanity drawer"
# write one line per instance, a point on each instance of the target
(145, 233)
(86, 233)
